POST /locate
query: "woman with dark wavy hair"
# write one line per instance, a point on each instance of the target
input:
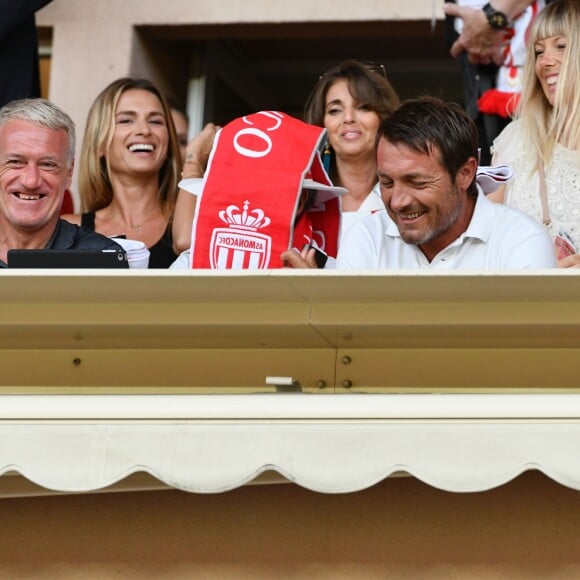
(350, 101)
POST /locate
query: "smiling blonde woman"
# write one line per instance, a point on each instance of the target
(129, 167)
(543, 144)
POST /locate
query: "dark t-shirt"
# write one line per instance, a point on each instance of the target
(67, 236)
(161, 253)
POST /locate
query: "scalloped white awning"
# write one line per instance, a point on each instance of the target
(209, 444)
(112, 363)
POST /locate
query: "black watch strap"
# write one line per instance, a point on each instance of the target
(496, 19)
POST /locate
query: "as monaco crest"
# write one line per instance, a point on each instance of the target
(240, 246)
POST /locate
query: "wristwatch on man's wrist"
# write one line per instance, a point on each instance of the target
(497, 20)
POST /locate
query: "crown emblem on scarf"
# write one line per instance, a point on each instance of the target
(244, 219)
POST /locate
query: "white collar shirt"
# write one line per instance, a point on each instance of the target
(498, 237)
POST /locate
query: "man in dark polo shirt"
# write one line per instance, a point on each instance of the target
(37, 145)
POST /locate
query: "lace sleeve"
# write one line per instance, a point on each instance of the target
(506, 145)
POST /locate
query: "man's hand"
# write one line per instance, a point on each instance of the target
(305, 259)
(482, 44)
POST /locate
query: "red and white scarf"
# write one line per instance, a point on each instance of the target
(245, 217)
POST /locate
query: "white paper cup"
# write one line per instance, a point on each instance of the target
(137, 252)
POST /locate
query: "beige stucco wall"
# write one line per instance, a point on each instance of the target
(95, 42)
(400, 528)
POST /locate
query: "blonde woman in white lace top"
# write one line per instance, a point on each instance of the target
(545, 137)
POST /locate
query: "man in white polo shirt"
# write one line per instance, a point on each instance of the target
(436, 216)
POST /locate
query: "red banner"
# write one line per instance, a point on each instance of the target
(247, 213)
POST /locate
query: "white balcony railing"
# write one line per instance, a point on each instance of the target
(461, 380)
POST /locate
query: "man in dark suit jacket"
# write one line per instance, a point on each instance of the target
(19, 73)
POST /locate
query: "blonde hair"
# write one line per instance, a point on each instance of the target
(95, 188)
(545, 125)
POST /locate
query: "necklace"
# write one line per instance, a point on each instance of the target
(138, 228)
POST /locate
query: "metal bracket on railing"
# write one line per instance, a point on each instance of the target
(284, 384)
